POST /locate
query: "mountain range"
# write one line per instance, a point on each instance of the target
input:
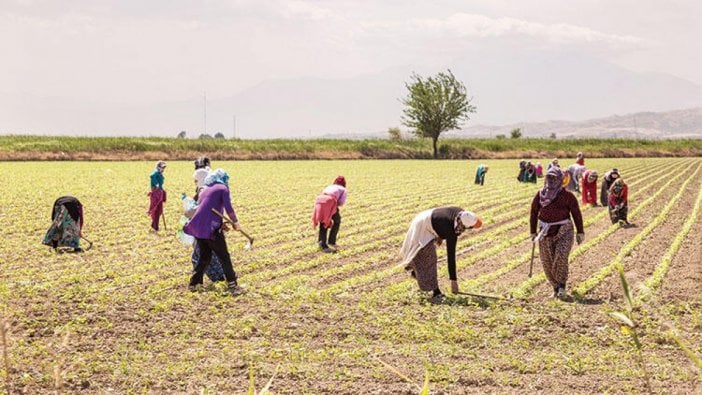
(516, 88)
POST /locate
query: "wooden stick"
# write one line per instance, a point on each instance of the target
(225, 219)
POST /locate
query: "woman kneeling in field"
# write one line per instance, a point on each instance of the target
(552, 208)
(427, 230)
(67, 224)
(208, 230)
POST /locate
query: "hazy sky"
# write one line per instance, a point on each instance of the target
(147, 51)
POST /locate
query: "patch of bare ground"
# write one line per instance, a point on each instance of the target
(641, 263)
(683, 282)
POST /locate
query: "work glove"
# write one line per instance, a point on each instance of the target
(580, 237)
(533, 236)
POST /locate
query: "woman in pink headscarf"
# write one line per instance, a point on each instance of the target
(326, 213)
(551, 209)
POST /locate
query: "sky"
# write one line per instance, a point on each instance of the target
(145, 52)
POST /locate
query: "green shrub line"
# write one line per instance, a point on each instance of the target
(15, 147)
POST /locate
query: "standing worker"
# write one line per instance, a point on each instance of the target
(208, 230)
(427, 230)
(326, 214)
(589, 187)
(607, 182)
(552, 208)
(580, 159)
(619, 202)
(157, 195)
(214, 270)
(480, 174)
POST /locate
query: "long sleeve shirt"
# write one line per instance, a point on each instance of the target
(156, 180)
(622, 198)
(562, 207)
(205, 223)
(443, 220)
(339, 193)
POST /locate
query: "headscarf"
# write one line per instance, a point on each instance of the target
(340, 180)
(552, 186)
(614, 173)
(592, 174)
(617, 187)
(469, 219)
(218, 176)
(160, 166)
(200, 175)
(202, 162)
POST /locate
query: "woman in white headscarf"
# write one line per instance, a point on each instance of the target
(428, 229)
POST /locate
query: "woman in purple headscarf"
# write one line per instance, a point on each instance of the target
(552, 209)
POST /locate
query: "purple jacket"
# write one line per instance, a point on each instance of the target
(205, 223)
(339, 193)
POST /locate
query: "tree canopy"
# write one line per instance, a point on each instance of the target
(436, 104)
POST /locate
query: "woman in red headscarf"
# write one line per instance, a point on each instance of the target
(326, 213)
(589, 187)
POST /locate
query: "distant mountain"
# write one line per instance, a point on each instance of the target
(507, 86)
(670, 124)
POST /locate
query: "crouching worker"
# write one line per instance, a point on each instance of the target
(67, 224)
(208, 230)
(619, 202)
(427, 230)
(326, 214)
(552, 208)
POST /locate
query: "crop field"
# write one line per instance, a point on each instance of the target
(119, 318)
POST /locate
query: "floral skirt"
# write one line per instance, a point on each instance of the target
(424, 267)
(64, 231)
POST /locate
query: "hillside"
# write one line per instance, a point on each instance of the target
(670, 124)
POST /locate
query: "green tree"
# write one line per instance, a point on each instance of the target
(515, 133)
(435, 105)
(395, 133)
(181, 135)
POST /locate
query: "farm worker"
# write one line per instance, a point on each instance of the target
(575, 172)
(607, 182)
(580, 159)
(326, 214)
(480, 174)
(208, 230)
(522, 170)
(157, 195)
(425, 233)
(619, 202)
(67, 224)
(539, 170)
(214, 271)
(553, 163)
(589, 187)
(529, 174)
(552, 208)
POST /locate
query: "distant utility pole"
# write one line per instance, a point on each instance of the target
(205, 111)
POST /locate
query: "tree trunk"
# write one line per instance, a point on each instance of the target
(434, 140)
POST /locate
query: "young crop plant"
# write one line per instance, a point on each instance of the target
(656, 279)
(598, 277)
(629, 327)
(525, 288)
